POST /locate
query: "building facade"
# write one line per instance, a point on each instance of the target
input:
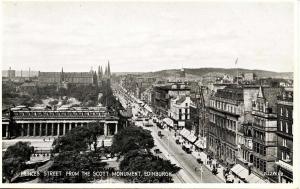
(179, 110)
(285, 136)
(22, 121)
(264, 131)
(162, 93)
(228, 109)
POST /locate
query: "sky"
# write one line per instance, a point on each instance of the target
(147, 36)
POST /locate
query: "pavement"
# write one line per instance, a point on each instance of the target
(187, 162)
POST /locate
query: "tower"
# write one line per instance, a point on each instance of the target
(201, 111)
(108, 69)
(100, 72)
(62, 75)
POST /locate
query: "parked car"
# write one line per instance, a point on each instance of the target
(199, 160)
(157, 151)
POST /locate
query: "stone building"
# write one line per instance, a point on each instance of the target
(77, 78)
(179, 110)
(54, 78)
(228, 108)
(285, 136)
(23, 121)
(264, 125)
(162, 93)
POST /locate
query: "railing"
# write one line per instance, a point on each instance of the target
(263, 114)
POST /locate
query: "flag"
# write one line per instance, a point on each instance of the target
(236, 61)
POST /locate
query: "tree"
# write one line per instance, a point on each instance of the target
(143, 161)
(131, 138)
(14, 159)
(72, 161)
(20, 149)
(53, 102)
(74, 154)
(79, 138)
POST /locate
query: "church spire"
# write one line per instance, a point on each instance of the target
(62, 74)
(100, 73)
(105, 72)
(108, 69)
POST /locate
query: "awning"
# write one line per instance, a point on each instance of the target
(243, 172)
(240, 171)
(192, 138)
(254, 179)
(148, 108)
(285, 165)
(199, 143)
(185, 133)
(169, 122)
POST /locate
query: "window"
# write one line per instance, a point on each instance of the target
(286, 113)
(287, 157)
(284, 142)
(257, 148)
(281, 127)
(186, 104)
(286, 127)
(264, 166)
(282, 156)
(281, 111)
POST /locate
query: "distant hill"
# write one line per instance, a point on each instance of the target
(200, 72)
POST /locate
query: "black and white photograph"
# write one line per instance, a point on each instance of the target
(115, 92)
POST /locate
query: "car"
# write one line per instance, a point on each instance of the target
(199, 160)
(157, 151)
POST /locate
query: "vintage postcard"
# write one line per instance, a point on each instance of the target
(114, 93)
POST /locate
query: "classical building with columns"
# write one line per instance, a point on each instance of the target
(23, 121)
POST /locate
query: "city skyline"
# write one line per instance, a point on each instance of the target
(144, 37)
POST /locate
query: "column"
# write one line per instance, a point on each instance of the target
(105, 129)
(81, 124)
(34, 129)
(6, 131)
(46, 132)
(64, 129)
(116, 128)
(58, 126)
(76, 124)
(40, 129)
(70, 126)
(52, 129)
(22, 130)
(28, 128)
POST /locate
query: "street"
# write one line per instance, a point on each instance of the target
(190, 172)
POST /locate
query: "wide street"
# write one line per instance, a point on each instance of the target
(173, 151)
